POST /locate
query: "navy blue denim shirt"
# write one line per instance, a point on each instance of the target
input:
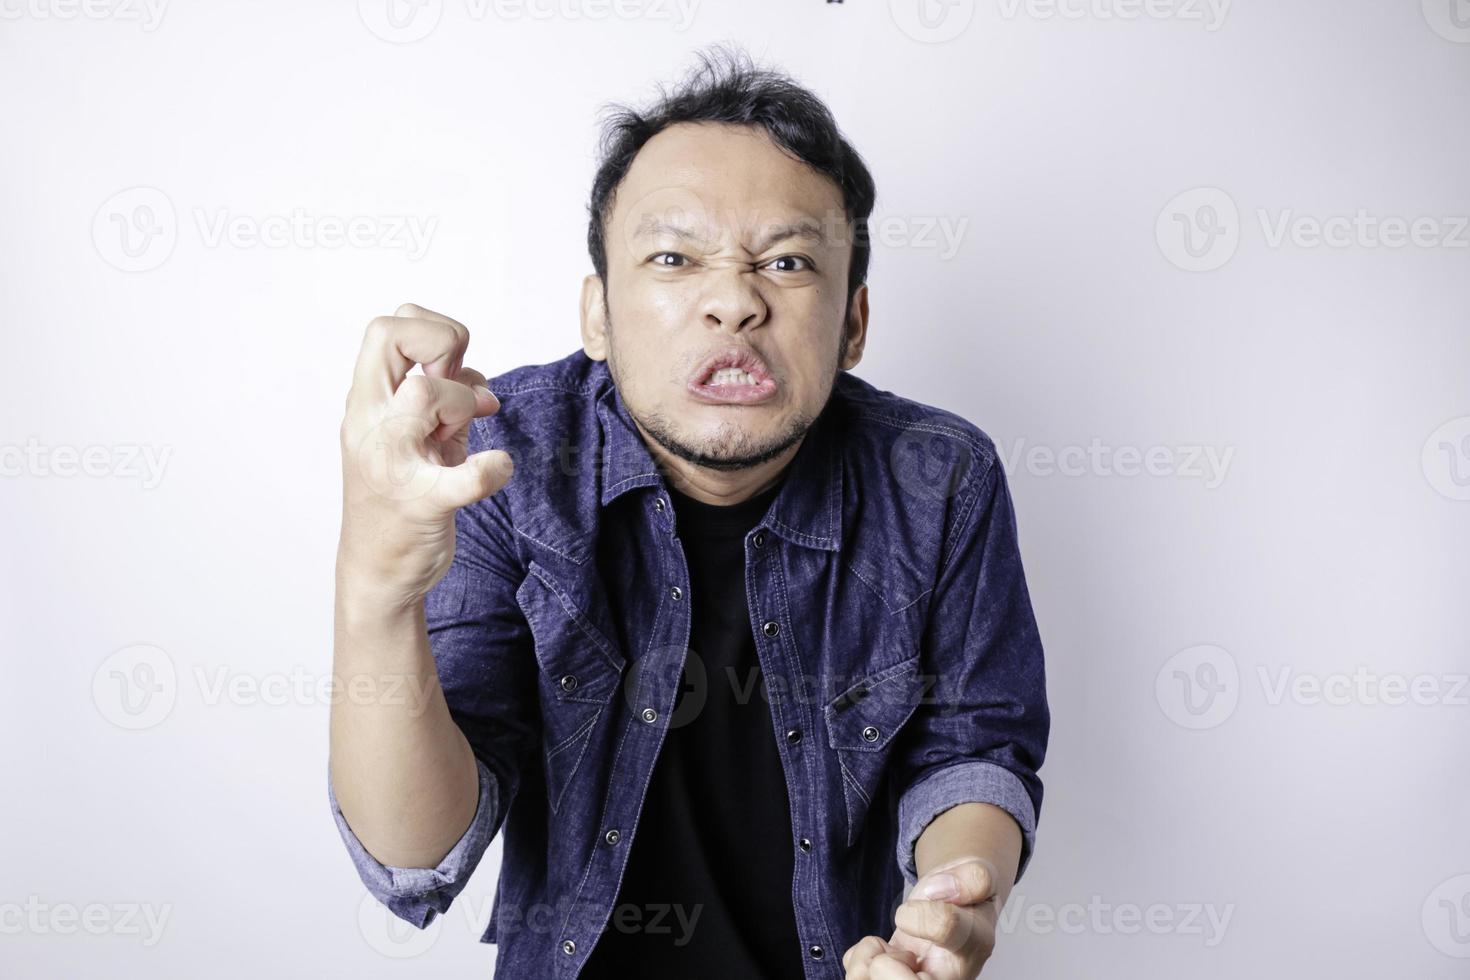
(895, 634)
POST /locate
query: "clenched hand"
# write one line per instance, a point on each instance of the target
(944, 931)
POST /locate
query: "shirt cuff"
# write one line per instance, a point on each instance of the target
(965, 782)
(416, 895)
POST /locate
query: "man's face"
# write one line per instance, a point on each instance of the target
(720, 244)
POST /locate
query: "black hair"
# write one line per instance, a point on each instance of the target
(726, 87)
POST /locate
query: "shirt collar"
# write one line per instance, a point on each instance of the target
(807, 510)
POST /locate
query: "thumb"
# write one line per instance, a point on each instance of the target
(479, 476)
(964, 881)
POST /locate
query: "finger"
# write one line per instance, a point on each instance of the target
(855, 961)
(438, 401)
(455, 438)
(885, 966)
(419, 312)
(391, 347)
(967, 881)
(477, 477)
(476, 382)
(942, 923)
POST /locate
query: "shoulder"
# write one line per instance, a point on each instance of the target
(548, 422)
(913, 474)
(912, 443)
(542, 405)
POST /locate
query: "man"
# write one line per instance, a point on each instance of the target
(742, 657)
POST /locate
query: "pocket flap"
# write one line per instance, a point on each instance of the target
(578, 660)
(866, 716)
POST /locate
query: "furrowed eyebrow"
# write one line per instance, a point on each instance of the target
(651, 228)
(805, 229)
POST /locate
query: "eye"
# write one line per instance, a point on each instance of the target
(793, 258)
(668, 255)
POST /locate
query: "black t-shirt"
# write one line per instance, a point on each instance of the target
(707, 890)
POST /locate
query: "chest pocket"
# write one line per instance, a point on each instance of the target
(580, 670)
(861, 725)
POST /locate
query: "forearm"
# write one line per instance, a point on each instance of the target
(973, 830)
(403, 772)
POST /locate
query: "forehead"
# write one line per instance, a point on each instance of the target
(733, 172)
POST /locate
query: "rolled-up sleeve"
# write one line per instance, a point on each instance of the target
(484, 655)
(416, 895)
(980, 734)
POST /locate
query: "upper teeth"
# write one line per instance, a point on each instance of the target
(731, 376)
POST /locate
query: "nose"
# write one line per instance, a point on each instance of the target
(733, 303)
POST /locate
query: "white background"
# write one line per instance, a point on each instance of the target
(1070, 314)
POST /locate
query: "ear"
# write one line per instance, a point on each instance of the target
(594, 318)
(856, 327)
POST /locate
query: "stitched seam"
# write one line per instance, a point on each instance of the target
(857, 786)
(873, 588)
(561, 746)
(551, 548)
(544, 384)
(577, 764)
(576, 615)
(961, 522)
(894, 422)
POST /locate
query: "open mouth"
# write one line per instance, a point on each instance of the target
(733, 376)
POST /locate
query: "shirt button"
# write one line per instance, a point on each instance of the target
(570, 947)
(771, 628)
(649, 714)
(816, 952)
(794, 736)
(805, 843)
(677, 593)
(612, 836)
(569, 683)
(658, 503)
(870, 734)
(759, 539)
